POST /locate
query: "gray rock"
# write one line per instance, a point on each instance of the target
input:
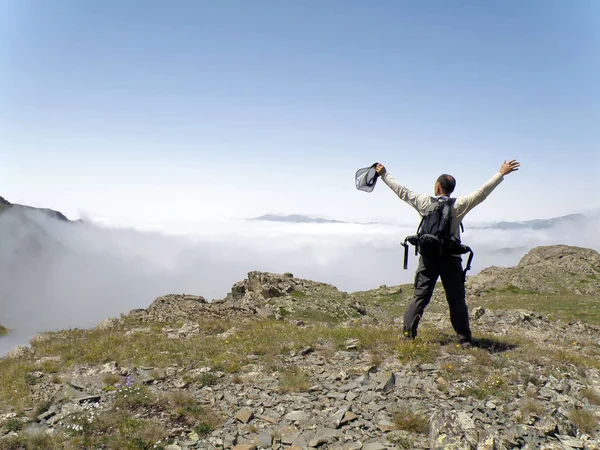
(374, 446)
(296, 416)
(386, 381)
(322, 436)
(570, 442)
(244, 447)
(89, 399)
(289, 435)
(547, 426)
(336, 419)
(78, 384)
(244, 415)
(336, 395)
(108, 324)
(489, 443)
(265, 440)
(48, 414)
(349, 417)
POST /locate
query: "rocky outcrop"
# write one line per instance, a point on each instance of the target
(285, 295)
(261, 294)
(549, 269)
(260, 287)
(175, 307)
(3, 330)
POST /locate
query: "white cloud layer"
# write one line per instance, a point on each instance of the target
(57, 275)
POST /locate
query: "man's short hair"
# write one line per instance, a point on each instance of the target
(447, 183)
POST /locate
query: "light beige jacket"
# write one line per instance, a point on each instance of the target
(461, 207)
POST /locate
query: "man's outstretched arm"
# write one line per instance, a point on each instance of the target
(417, 201)
(466, 203)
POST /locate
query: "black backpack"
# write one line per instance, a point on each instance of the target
(434, 238)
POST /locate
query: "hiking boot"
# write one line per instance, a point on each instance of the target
(466, 345)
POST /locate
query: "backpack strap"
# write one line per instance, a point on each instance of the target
(446, 216)
(405, 245)
(469, 261)
(420, 224)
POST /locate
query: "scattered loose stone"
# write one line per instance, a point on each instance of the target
(244, 415)
(265, 440)
(374, 446)
(295, 416)
(245, 447)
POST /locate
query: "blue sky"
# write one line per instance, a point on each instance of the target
(188, 110)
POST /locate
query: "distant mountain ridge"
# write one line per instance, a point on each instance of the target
(537, 224)
(295, 218)
(5, 205)
(534, 224)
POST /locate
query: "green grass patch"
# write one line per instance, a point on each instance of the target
(407, 420)
(203, 429)
(567, 306)
(15, 390)
(294, 379)
(407, 351)
(592, 395)
(50, 367)
(298, 294)
(585, 421)
(393, 304)
(184, 408)
(203, 379)
(37, 442)
(512, 289)
(134, 397)
(494, 384)
(12, 425)
(563, 356)
(111, 379)
(268, 339)
(115, 429)
(531, 406)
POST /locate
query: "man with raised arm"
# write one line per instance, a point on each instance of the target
(447, 266)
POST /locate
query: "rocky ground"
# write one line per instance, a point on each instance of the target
(552, 269)
(289, 363)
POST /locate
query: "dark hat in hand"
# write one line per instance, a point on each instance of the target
(366, 178)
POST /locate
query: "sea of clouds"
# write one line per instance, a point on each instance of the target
(56, 275)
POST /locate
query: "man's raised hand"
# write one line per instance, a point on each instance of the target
(508, 167)
(380, 169)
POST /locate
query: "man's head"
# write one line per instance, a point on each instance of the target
(444, 185)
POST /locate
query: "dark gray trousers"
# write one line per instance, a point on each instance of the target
(451, 272)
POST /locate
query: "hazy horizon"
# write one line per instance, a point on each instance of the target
(57, 275)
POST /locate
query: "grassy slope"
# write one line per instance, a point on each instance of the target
(564, 305)
(272, 340)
